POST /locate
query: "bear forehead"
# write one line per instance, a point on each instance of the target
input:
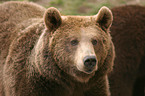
(78, 21)
(75, 26)
(79, 32)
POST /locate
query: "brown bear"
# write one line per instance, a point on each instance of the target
(128, 35)
(45, 54)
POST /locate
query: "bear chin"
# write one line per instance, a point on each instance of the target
(83, 76)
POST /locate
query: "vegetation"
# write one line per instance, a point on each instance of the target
(82, 7)
(88, 7)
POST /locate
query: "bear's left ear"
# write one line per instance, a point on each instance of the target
(52, 19)
(104, 18)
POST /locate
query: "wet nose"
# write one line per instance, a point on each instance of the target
(90, 61)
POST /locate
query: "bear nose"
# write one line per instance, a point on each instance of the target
(90, 61)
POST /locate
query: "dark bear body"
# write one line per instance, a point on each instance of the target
(43, 53)
(128, 33)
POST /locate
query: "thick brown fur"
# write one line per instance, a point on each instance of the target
(11, 15)
(36, 58)
(128, 33)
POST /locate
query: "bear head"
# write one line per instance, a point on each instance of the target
(79, 44)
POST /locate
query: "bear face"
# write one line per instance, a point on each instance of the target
(80, 48)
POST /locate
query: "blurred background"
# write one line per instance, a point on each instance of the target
(82, 7)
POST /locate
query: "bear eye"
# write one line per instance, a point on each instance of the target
(104, 41)
(74, 42)
(94, 42)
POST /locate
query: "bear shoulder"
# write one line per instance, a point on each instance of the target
(15, 11)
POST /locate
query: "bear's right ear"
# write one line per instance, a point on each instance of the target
(52, 19)
(104, 18)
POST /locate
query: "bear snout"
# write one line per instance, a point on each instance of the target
(90, 63)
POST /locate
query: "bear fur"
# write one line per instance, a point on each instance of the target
(41, 52)
(128, 35)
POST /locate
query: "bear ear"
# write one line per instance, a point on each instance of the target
(52, 19)
(104, 18)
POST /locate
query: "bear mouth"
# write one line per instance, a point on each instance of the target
(89, 70)
(84, 76)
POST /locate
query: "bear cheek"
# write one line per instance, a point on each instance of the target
(63, 55)
(101, 53)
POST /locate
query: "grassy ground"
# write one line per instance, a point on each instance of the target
(82, 7)
(86, 7)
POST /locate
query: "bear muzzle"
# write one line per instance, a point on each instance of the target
(90, 63)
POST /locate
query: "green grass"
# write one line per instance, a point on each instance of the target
(68, 6)
(57, 2)
(83, 7)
